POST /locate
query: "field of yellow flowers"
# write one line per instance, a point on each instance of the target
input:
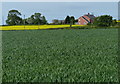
(118, 20)
(34, 27)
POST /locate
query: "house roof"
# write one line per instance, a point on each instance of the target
(85, 19)
(91, 16)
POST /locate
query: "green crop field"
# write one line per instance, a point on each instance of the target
(64, 55)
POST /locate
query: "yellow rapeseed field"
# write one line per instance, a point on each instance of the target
(34, 27)
(118, 20)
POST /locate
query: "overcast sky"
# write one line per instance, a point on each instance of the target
(59, 10)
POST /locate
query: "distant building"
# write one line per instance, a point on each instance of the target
(56, 21)
(87, 18)
(61, 21)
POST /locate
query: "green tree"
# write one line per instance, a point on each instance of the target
(14, 18)
(30, 20)
(24, 21)
(72, 19)
(44, 21)
(36, 19)
(67, 20)
(103, 21)
(114, 22)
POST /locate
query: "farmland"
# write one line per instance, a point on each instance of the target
(64, 55)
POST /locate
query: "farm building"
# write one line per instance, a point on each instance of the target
(87, 18)
(56, 21)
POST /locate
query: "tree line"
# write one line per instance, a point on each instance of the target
(104, 21)
(14, 18)
(68, 20)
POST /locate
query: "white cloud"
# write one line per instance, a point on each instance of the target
(60, 0)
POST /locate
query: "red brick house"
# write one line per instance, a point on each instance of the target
(87, 18)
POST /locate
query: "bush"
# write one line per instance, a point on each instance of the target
(103, 21)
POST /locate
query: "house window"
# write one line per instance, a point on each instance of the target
(84, 22)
